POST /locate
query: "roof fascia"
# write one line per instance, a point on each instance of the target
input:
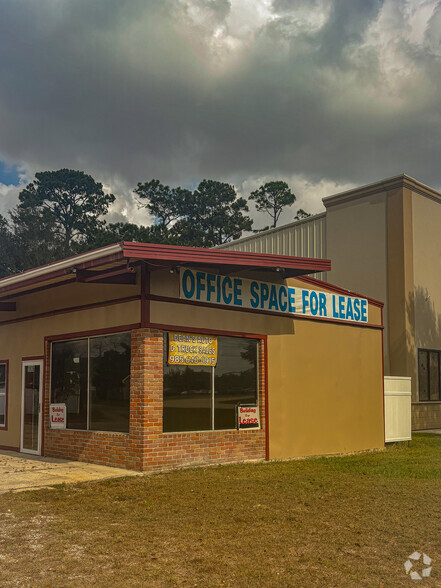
(387, 185)
(195, 255)
(62, 268)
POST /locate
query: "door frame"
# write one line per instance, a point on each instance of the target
(24, 364)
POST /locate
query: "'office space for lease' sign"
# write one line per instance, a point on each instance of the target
(192, 349)
(266, 297)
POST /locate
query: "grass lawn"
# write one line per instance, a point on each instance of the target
(332, 522)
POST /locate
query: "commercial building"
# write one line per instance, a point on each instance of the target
(151, 357)
(384, 240)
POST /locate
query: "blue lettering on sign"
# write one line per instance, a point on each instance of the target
(254, 301)
(305, 302)
(334, 309)
(322, 303)
(349, 311)
(237, 292)
(341, 306)
(357, 311)
(188, 292)
(273, 299)
(227, 297)
(314, 303)
(283, 305)
(264, 294)
(292, 299)
(363, 311)
(210, 286)
(218, 288)
(200, 286)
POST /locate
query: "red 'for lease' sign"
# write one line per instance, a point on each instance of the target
(57, 416)
(248, 417)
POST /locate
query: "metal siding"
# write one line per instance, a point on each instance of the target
(305, 239)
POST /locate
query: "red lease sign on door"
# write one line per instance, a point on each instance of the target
(248, 417)
(57, 416)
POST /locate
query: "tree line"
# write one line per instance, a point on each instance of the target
(62, 213)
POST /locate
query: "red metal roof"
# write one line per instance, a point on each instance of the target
(293, 266)
(163, 256)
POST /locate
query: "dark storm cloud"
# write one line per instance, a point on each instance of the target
(346, 27)
(183, 89)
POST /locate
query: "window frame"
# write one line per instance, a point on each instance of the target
(5, 362)
(260, 363)
(87, 337)
(427, 353)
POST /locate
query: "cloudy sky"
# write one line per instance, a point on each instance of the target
(324, 94)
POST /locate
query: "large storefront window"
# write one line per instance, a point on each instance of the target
(92, 377)
(187, 398)
(69, 380)
(199, 398)
(235, 379)
(3, 388)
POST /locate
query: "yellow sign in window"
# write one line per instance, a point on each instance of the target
(192, 349)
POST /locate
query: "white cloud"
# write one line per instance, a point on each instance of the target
(8, 197)
(9, 192)
(308, 194)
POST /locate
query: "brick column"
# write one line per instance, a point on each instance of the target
(146, 392)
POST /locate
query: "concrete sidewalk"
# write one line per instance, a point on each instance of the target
(19, 471)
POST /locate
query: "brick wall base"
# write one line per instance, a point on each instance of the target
(146, 447)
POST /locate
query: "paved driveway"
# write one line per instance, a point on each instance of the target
(27, 472)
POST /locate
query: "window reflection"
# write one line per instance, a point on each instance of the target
(187, 398)
(110, 383)
(69, 380)
(235, 380)
(188, 390)
(93, 371)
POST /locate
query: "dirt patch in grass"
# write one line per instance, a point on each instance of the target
(334, 522)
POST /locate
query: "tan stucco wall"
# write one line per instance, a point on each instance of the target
(400, 280)
(356, 244)
(326, 390)
(218, 320)
(427, 271)
(426, 217)
(402, 265)
(75, 294)
(26, 339)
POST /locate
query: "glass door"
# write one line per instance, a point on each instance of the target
(32, 386)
